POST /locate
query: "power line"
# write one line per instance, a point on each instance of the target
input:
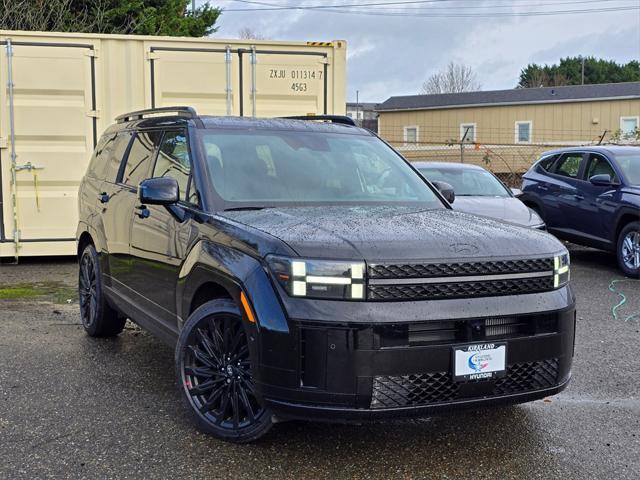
(379, 8)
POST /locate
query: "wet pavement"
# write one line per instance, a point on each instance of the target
(76, 407)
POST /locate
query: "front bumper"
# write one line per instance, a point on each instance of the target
(357, 371)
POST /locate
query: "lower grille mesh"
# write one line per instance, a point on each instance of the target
(439, 387)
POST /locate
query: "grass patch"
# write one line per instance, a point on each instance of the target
(55, 292)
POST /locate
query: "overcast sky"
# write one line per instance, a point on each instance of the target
(393, 53)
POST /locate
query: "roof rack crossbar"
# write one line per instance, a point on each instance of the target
(342, 119)
(184, 112)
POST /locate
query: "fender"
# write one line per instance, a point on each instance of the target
(235, 271)
(622, 211)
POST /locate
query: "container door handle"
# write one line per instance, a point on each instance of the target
(143, 211)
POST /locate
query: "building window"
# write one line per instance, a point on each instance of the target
(523, 132)
(468, 132)
(410, 134)
(628, 126)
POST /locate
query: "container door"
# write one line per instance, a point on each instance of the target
(201, 78)
(54, 134)
(281, 83)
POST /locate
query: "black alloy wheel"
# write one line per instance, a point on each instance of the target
(98, 318)
(214, 368)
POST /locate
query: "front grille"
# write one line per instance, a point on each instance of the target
(439, 387)
(485, 288)
(430, 270)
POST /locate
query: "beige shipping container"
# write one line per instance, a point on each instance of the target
(59, 91)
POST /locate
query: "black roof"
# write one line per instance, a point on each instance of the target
(574, 93)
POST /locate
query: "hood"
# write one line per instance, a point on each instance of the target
(391, 233)
(508, 209)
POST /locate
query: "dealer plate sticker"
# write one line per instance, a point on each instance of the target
(479, 362)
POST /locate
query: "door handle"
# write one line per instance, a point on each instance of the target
(544, 188)
(579, 196)
(143, 211)
(103, 197)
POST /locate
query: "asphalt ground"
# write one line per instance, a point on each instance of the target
(76, 407)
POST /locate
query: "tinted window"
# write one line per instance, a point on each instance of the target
(264, 168)
(173, 161)
(598, 165)
(546, 163)
(113, 154)
(467, 182)
(630, 166)
(139, 158)
(100, 157)
(569, 165)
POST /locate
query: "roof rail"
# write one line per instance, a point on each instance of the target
(342, 119)
(184, 112)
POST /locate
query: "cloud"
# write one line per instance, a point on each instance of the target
(390, 55)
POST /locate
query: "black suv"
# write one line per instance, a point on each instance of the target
(303, 269)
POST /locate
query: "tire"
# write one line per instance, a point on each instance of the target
(214, 373)
(628, 250)
(98, 318)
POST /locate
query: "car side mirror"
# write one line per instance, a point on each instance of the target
(603, 180)
(446, 190)
(516, 192)
(159, 191)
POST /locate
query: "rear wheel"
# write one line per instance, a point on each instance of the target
(98, 318)
(629, 249)
(214, 373)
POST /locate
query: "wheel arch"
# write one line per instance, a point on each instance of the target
(84, 240)
(625, 217)
(213, 271)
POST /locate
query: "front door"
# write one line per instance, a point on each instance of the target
(596, 217)
(159, 240)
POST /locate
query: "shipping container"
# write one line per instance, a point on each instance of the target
(59, 91)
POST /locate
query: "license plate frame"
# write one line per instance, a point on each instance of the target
(479, 361)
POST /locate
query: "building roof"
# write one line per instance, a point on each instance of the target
(516, 96)
(363, 105)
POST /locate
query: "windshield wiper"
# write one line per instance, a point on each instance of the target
(239, 209)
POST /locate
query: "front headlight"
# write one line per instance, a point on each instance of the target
(319, 278)
(561, 270)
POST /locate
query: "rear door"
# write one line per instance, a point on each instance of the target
(53, 100)
(563, 197)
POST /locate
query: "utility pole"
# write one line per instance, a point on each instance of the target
(358, 108)
(582, 58)
(193, 5)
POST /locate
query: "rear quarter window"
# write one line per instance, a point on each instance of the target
(100, 157)
(546, 163)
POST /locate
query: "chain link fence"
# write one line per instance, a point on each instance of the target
(489, 148)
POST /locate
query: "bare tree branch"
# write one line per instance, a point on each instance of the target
(455, 78)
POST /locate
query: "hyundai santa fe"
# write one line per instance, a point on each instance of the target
(302, 269)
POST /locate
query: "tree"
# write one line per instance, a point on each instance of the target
(144, 17)
(456, 78)
(569, 72)
(248, 33)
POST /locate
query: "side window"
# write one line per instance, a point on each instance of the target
(174, 161)
(598, 165)
(100, 157)
(546, 163)
(139, 159)
(569, 165)
(113, 154)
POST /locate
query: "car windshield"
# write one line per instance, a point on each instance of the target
(262, 168)
(630, 166)
(467, 182)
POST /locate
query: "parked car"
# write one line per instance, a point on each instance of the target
(303, 269)
(480, 192)
(590, 196)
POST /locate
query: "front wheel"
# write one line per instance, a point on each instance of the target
(214, 371)
(629, 250)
